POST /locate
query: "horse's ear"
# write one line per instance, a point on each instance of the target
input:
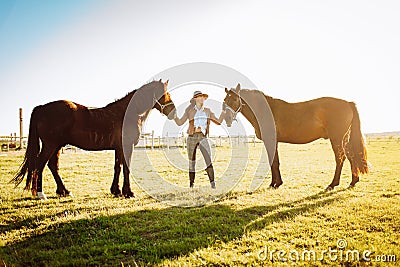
(226, 90)
(166, 83)
(160, 80)
(238, 87)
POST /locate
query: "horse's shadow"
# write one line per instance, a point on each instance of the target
(151, 236)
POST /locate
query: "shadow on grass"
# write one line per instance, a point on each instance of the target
(150, 236)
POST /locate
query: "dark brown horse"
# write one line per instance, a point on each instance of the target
(303, 122)
(116, 126)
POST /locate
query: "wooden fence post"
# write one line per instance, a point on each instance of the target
(152, 140)
(167, 140)
(21, 129)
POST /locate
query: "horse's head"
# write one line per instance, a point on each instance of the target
(165, 104)
(232, 104)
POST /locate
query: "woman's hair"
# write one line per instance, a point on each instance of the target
(192, 102)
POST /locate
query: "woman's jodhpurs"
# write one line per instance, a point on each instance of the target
(199, 140)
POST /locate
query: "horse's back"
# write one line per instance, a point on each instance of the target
(329, 107)
(334, 115)
(324, 102)
(338, 112)
(60, 106)
(304, 122)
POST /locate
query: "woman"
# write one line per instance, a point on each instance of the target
(199, 122)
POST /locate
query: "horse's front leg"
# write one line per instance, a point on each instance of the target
(275, 172)
(272, 150)
(117, 170)
(126, 188)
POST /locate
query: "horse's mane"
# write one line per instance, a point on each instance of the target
(131, 93)
(127, 94)
(255, 91)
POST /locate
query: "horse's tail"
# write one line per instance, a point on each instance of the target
(357, 150)
(29, 163)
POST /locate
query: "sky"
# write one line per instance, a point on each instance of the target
(93, 52)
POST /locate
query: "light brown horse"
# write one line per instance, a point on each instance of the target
(116, 126)
(303, 122)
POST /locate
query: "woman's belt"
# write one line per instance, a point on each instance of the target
(197, 133)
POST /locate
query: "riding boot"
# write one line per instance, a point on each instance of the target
(191, 178)
(210, 173)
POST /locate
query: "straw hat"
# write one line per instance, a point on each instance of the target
(199, 93)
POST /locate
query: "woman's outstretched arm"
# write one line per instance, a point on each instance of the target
(180, 121)
(219, 120)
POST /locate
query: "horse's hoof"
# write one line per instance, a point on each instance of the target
(127, 192)
(129, 195)
(351, 186)
(66, 194)
(275, 186)
(329, 188)
(116, 192)
(41, 196)
(63, 193)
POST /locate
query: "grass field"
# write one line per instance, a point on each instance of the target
(241, 228)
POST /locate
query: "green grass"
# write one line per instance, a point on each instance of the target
(94, 228)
